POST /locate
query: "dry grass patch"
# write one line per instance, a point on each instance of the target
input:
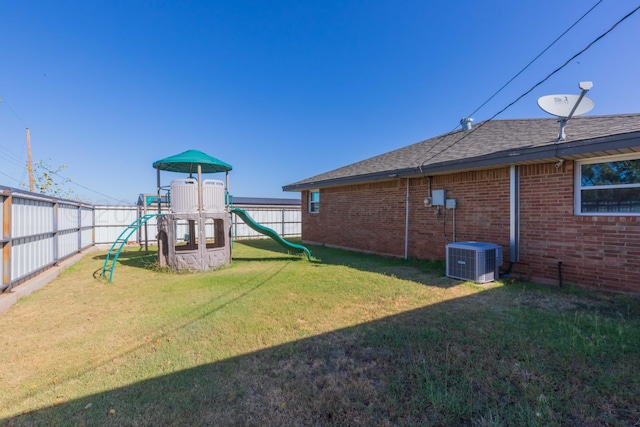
(347, 339)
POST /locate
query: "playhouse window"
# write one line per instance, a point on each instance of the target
(314, 201)
(186, 235)
(608, 186)
(214, 231)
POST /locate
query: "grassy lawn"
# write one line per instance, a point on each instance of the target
(347, 339)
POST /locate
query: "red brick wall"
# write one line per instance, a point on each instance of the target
(595, 251)
(366, 217)
(371, 217)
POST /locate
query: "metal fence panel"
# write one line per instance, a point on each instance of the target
(67, 217)
(3, 242)
(86, 238)
(86, 217)
(292, 216)
(39, 231)
(30, 217)
(31, 254)
(286, 221)
(67, 243)
(110, 221)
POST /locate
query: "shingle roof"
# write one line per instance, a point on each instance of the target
(491, 143)
(268, 201)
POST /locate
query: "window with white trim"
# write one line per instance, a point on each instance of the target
(608, 186)
(314, 201)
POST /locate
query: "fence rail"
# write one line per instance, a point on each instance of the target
(39, 231)
(285, 220)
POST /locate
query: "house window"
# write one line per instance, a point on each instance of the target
(608, 186)
(314, 201)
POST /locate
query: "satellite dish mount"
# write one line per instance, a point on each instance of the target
(566, 106)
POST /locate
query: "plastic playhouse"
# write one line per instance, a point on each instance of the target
(195, 232)
(194, 235)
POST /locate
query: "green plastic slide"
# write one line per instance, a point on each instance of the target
(270, 232)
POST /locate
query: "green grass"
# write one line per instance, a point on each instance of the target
(347, 339)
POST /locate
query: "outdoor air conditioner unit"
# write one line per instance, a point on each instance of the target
(477, 261)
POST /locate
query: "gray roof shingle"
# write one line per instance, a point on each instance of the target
(490, 143)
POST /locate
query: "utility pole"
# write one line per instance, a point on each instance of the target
(29, 165)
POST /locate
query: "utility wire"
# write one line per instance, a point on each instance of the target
(535, 59)
(13, 158)
(69, 180)
(516, 75)
(3, 101)
(597, 39)
(10, 156)
(86, 188)
(10, 177)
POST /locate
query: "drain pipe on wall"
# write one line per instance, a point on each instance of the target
(406, 224)
(454, 225)
(560, 273)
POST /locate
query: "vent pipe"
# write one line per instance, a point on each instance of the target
(466, 123)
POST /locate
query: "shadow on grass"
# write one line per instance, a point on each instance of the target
(469, 361)
(427, 272)
(137, 257)
(133, 255)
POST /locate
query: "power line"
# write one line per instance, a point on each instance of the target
(535, 59)
(86, 188)
(517, 74)
(10, 177)
(3, 101)
(10, 156)
(69, 180)
(534, 86)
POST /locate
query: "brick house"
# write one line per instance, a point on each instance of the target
(563, 211)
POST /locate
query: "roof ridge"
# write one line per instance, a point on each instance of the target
(498, 140)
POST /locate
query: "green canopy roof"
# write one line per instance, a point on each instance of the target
(188, 162)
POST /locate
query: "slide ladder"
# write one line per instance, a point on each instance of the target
(270, 232)
(123, 238)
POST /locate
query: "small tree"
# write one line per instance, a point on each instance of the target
(47, 180)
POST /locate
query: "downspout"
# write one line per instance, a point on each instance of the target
(406, 224)
(514, 214)
(454, 225)
(560, 273)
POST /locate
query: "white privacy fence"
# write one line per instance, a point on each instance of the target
(285, 220)
(111, 220)
(40, 231)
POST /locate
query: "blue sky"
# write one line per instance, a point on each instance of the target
(282, 90)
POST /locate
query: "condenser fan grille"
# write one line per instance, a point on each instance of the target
(473, 261)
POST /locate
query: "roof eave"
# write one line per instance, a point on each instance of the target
(503, 158)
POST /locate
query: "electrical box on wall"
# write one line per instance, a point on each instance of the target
(451, 203)
(438, 197)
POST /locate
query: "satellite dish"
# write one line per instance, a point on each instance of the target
(562, 105)
(566, 106)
